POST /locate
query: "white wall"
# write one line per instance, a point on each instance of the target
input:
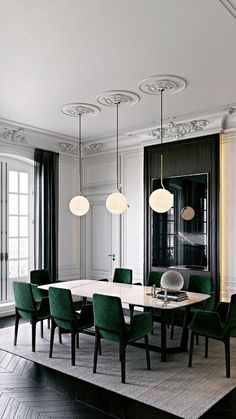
(228, 213)
(126, 232)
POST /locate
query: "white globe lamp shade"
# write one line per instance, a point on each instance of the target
(79, 205)
(116, 203)
(161, 200)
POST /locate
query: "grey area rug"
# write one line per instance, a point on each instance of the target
(171, 386)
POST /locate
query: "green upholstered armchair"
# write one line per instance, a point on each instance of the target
(27, 308)
(219, 325)
(110, 324)
(123, 276)
(65, 317)
(202, 285)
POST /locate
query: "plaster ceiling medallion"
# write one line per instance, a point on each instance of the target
(83, 109)
(174, 130)
(168, 83)
(123, 97)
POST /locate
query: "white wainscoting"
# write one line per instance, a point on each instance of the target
(69, 247)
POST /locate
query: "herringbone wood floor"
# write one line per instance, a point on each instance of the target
(24, 398)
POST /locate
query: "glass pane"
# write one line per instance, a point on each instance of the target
(24, 268)
(13, 181)
(23, 205)
(13, 226)
(23, 226)
(23, 182)
(13, 204)
(13, 248)
(13, 269)
(23, 248)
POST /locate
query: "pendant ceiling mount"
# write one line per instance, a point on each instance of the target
(125, 98)
(83, 109)
(168, 83)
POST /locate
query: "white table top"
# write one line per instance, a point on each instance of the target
(129, 294)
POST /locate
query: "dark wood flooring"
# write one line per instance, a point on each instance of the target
(27, 391)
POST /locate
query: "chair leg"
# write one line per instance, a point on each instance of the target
(131, 312)
(191, 350)
(122, 351)
(227, 356)
(53, 327)
(197, 339)
(151, 312)
(206, 347)
(59, 335)
(72, 348)
(147, 352)
(77, 340)
(48, 323)
(99, 347)
(33, 335)
(172, 326)
(17, 318)
(96, 347)
(41, 329)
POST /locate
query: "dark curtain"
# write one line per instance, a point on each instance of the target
(46, 202)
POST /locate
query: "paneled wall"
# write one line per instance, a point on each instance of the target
(228, 211)
(109, 241)
(197, 155)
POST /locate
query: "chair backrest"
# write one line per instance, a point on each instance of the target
(108, 316)
(154, 278)
(61, 307)
(123, 276)
(40, 277)
(201, 284)
(231, 317)
(24, 300)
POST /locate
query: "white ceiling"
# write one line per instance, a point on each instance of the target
(55, 51)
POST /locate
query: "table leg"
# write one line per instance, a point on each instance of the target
(163, 336)
(184, 337)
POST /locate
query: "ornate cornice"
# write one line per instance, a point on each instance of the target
(86, 150)
(179, 130)
(13, 135)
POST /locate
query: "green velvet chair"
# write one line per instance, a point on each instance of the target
(28, 309)
(110, 324)
(219, 325)
(123, 276)
(202, 285)
(65, 317)
(154, 278)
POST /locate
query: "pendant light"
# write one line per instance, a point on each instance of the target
(161, 200)
(116, 202)
(79, 204)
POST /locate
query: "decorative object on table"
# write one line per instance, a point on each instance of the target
(117, 202)
(79, 205)
(161, 200)
(187, 213)
(171, 281)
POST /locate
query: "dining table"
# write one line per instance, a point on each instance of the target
(139, 296)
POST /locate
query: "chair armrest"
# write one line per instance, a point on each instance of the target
(141, 325)
(44, 309)
(38, 294)
(206, 322)
(86, 314)
(222, 310)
